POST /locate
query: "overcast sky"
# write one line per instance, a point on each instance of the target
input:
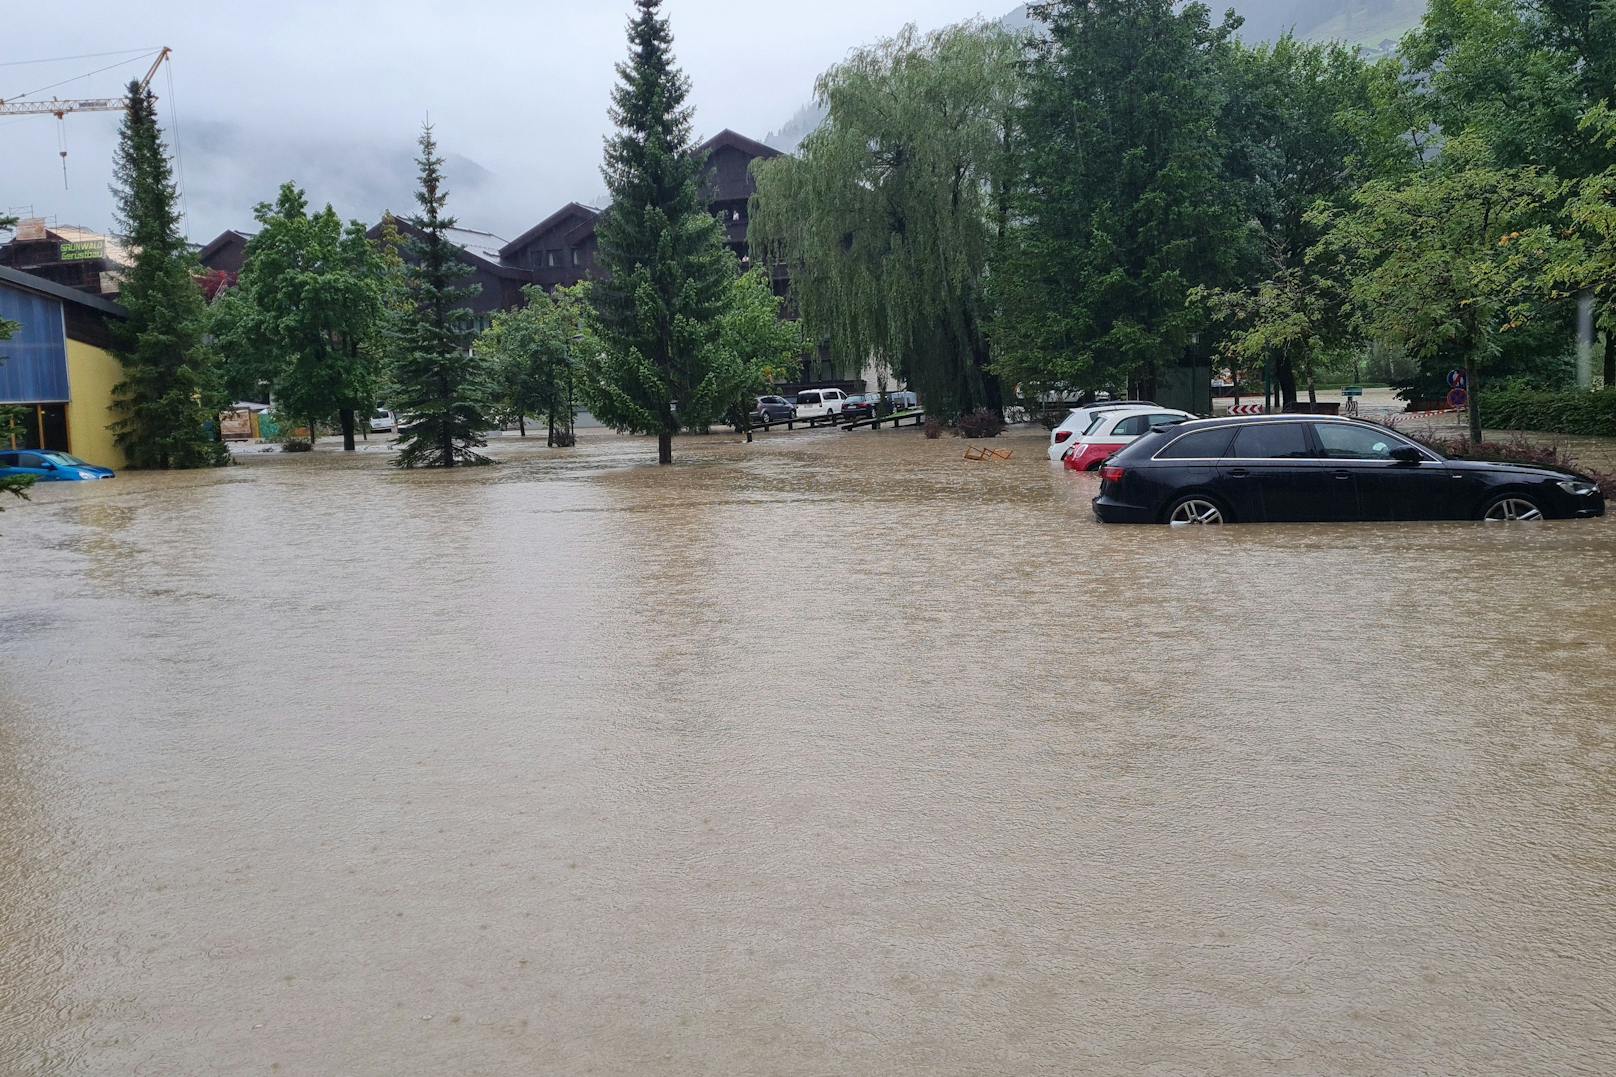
(332, 94)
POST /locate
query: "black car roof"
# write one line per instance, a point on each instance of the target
(1254, 420)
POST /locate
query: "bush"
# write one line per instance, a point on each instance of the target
(296, 445)
(1580, 412)
(934, 428)
(981, 423)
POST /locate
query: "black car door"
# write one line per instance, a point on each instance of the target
(1388, 488)
(1273, 473)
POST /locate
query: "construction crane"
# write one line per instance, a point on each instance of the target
(60, 107)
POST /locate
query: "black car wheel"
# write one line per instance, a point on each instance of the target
(1511, 508)
(1195, 510)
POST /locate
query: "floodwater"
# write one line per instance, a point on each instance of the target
(834, 753)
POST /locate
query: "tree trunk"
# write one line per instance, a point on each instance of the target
(521, 424)
(1475, 401)
(1285, 375)
(347, 417)
(664, 448)
(549, 439)
(1610, 358)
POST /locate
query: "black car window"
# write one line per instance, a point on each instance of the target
(1132, 426)
(1271, 441)
(1343, 442)
(1199, 445)
(28, 459)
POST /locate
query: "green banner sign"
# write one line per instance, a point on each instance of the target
(82, 252)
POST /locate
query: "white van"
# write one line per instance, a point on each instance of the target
(813, 403)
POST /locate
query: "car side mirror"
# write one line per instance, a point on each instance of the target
(49, 466)
(1408, 454)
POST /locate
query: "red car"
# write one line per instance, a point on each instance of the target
(1111, 431)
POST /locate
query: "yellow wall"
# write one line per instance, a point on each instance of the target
(91, 374)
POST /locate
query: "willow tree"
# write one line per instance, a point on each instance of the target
(889, 212)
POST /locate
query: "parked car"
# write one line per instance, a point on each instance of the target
(861, 406)
(903, 400)
(1112, 429)
(770, 408)
(383, 421)
(48, 465)
(1272, 468)
(813, 403)
(1078, 419)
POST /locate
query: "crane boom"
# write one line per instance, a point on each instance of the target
(60, 107)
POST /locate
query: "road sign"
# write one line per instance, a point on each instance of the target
(1456, 379)
(1246, 409)
(1458, 398)
(1352, 390)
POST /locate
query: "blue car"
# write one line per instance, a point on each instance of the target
(48, 465)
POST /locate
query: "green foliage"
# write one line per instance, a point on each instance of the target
(1434, 265)
(889, 214)
(1122, 205)
(1305, 123)
(1590, 413)
(666, 266)
(440, 384)
(308, 300)
(533, 352)
(753, 349)
(169, 394)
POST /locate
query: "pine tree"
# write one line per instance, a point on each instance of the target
(442, 386)
(166, 396)
(667, 272)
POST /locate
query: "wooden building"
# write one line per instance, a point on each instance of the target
(68, 255)
(495, 284)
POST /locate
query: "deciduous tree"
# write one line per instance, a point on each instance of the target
(889, 214)
(308, 300)
(1434, 262)
(1122, 205)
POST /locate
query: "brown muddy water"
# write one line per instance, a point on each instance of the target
(831, 754)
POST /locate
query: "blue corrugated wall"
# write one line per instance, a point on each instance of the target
(33, 364)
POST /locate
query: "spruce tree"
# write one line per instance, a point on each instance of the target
(442, 387)
(166, 398)
(667, 272)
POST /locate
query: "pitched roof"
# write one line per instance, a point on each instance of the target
(735, 140)
(471, 242)
(571, 208)
(228, 235)
(40, 286)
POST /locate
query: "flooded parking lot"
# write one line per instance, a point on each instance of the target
(833, 753)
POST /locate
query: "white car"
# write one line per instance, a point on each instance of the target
(1109, 431)
(814, 403)
(382, 421)
(1077, 420)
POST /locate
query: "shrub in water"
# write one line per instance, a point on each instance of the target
(981, 423)
(296, 445)
(934, 428)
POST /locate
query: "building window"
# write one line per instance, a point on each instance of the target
(577, 257)
(552, 259)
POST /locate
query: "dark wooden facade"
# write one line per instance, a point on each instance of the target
(226, 252)
(495, 285)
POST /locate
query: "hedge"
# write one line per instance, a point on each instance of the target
(1558, 413)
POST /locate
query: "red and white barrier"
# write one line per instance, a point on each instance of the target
(1247, 409)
